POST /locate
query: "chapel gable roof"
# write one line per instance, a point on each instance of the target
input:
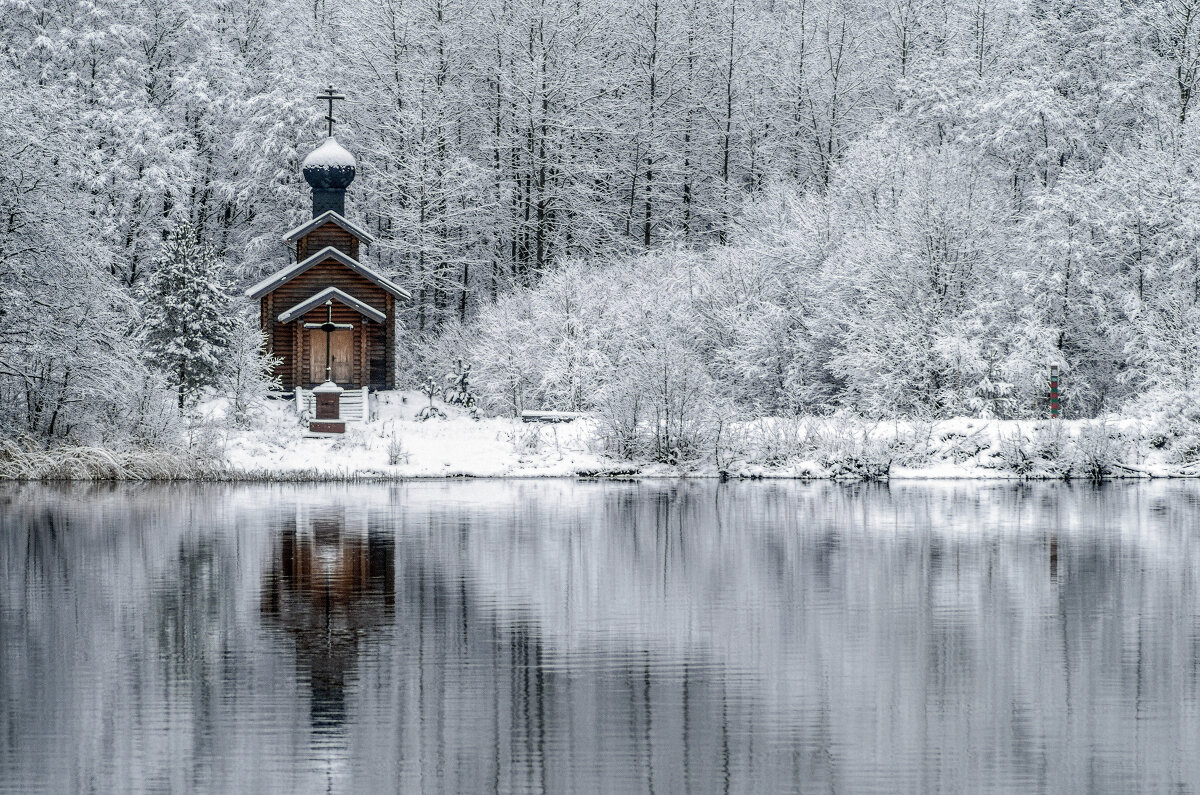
(329, 217)
(285, 275)
(331, 293)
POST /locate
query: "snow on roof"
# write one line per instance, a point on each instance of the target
(330, 154)
(284, 275)
(329, 216)
(334, 293)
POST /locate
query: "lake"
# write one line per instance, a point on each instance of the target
(560, 636)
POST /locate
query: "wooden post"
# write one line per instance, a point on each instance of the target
(1054, 404)
(328, 413)
(1054, 557)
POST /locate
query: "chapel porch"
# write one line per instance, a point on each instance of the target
(357, 355)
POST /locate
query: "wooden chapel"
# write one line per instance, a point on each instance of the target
(327, 315)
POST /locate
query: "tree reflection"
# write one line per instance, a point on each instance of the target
(513, 636)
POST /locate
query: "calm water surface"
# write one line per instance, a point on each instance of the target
(593, 637)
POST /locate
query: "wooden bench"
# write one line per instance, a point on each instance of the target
(550, 416)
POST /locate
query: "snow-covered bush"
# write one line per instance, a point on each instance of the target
(1014, 454)
(869, 460)
(458, 390)
(430, 390)
(1051, 446)
(960, 447)
(659, 404)
(526, 439)
(1097, 448)
(1174, 424)
(1183, 450)
(506, 350)
(397, 453)
(774, 441)
(205, 439)
(911, 447)
(1051, 450)
(248, 373)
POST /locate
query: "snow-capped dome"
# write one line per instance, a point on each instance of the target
(329, 166)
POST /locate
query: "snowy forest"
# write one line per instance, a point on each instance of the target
(743, 207)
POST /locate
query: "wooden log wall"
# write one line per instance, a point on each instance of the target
(327, 235)
(377, 358)
(329, 274)
(292, 343)
(389, 344)
(374, 344)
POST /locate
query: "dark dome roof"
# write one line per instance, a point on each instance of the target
(329, 166)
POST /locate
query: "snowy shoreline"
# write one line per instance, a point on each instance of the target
(653, 472)
(395, 445)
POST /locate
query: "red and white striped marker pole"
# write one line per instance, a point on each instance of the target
(1054, 404)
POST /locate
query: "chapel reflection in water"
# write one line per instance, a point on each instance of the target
(560, 636)
(330, 585)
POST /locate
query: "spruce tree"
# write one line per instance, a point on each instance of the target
(190, 325)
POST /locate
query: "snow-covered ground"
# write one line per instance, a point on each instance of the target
(396, 444)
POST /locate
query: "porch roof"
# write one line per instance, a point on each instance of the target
(308, 304)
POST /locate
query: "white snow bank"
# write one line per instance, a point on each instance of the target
(396, 444)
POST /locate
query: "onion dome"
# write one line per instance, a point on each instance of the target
(329, 166)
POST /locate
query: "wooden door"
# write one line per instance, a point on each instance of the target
(341, 360)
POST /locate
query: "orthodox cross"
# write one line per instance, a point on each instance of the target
(328, 327)
(330, 95)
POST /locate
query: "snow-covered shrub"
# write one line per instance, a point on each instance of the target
(397, 453)
(659, 404)
(148, 417)
(1014, 453)
(729, 444)
(1050, 450)
(1097, 448)
(911, 447)
(869, 460)
(960, 447)
(526, 439)
(773, 441)
(1174, 424)
(1051, 447)
(247, 375)
(1183, 450)
(458, 388)
(506, 349)
(849, 448)
(430, 390)
(620, 415)
(205, 440)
